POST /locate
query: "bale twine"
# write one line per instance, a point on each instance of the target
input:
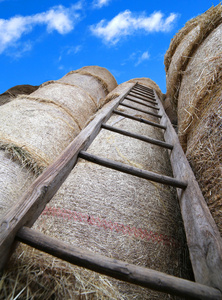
(97, 81)
(184, 45)
(111, 213)
(199, 119)
(35, 129)
(11, 93)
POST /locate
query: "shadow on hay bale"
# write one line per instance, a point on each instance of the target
(13, 92)
(194, 72)
(111, 213)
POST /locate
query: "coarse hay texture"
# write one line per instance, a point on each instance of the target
(176, 40)
(103, 75)
(148, 83)
(204, 151)
(203, 73)
(11, 93)
(186, 48)
(14, 180)
(40, 129)
(87, 82)
(110, 213)
(73, 99)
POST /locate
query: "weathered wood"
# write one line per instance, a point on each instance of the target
(143, 91)
(138, 136)
(138, 119)
(143, 94)
(132, 170)
(203, 237)
(28, 209)
(117, 269)
(142, 87)
(148, 99)
(142, 103)
(142, 110)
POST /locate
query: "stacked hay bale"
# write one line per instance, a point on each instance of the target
(110, 213)
(13, 92)
(194, 72)
(35, 129)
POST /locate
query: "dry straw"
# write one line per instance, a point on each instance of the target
(35, 129)
(110, 213)
(11, 94)
(184, 45)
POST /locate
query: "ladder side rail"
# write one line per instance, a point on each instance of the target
(203, 237)
(27, 209)
(117, 269)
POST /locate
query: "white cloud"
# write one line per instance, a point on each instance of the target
(58, 18)
(126, 23)
(144, 56)
(100, 3)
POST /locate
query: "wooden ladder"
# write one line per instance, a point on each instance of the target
(203, 237)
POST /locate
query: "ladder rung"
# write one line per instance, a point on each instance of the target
(138, 136)
(143, 95)
(142, 87)
(145, 99)
(142, 110)
(132, 170)
(116, 268)
(143, 91)
(139, 102)
(138, 119)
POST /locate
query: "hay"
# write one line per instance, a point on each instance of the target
(180, 54)
(97, 81)
(17, 180)
(202, 74)
(101, 74)
(110, 213)
(204, 151)
(35, 129)
(11, 93)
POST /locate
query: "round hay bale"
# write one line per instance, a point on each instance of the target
(97, 81)
(11, 93)
(183, 47)
(203, 72)
(204, 150)
(35, 129)
(101, 74)
(110, 213)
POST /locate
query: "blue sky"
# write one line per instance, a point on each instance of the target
(43, 40)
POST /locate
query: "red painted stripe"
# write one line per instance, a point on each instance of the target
(140, 233)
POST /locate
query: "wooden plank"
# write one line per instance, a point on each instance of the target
(142, 110)
(142, 103)
(144, 99)
(132, 170)
(143, 94)
(142, 87)
(143, 91)
(117, 269)
(138, 119)
(138, 136)
(203, 237)
(28, 209)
